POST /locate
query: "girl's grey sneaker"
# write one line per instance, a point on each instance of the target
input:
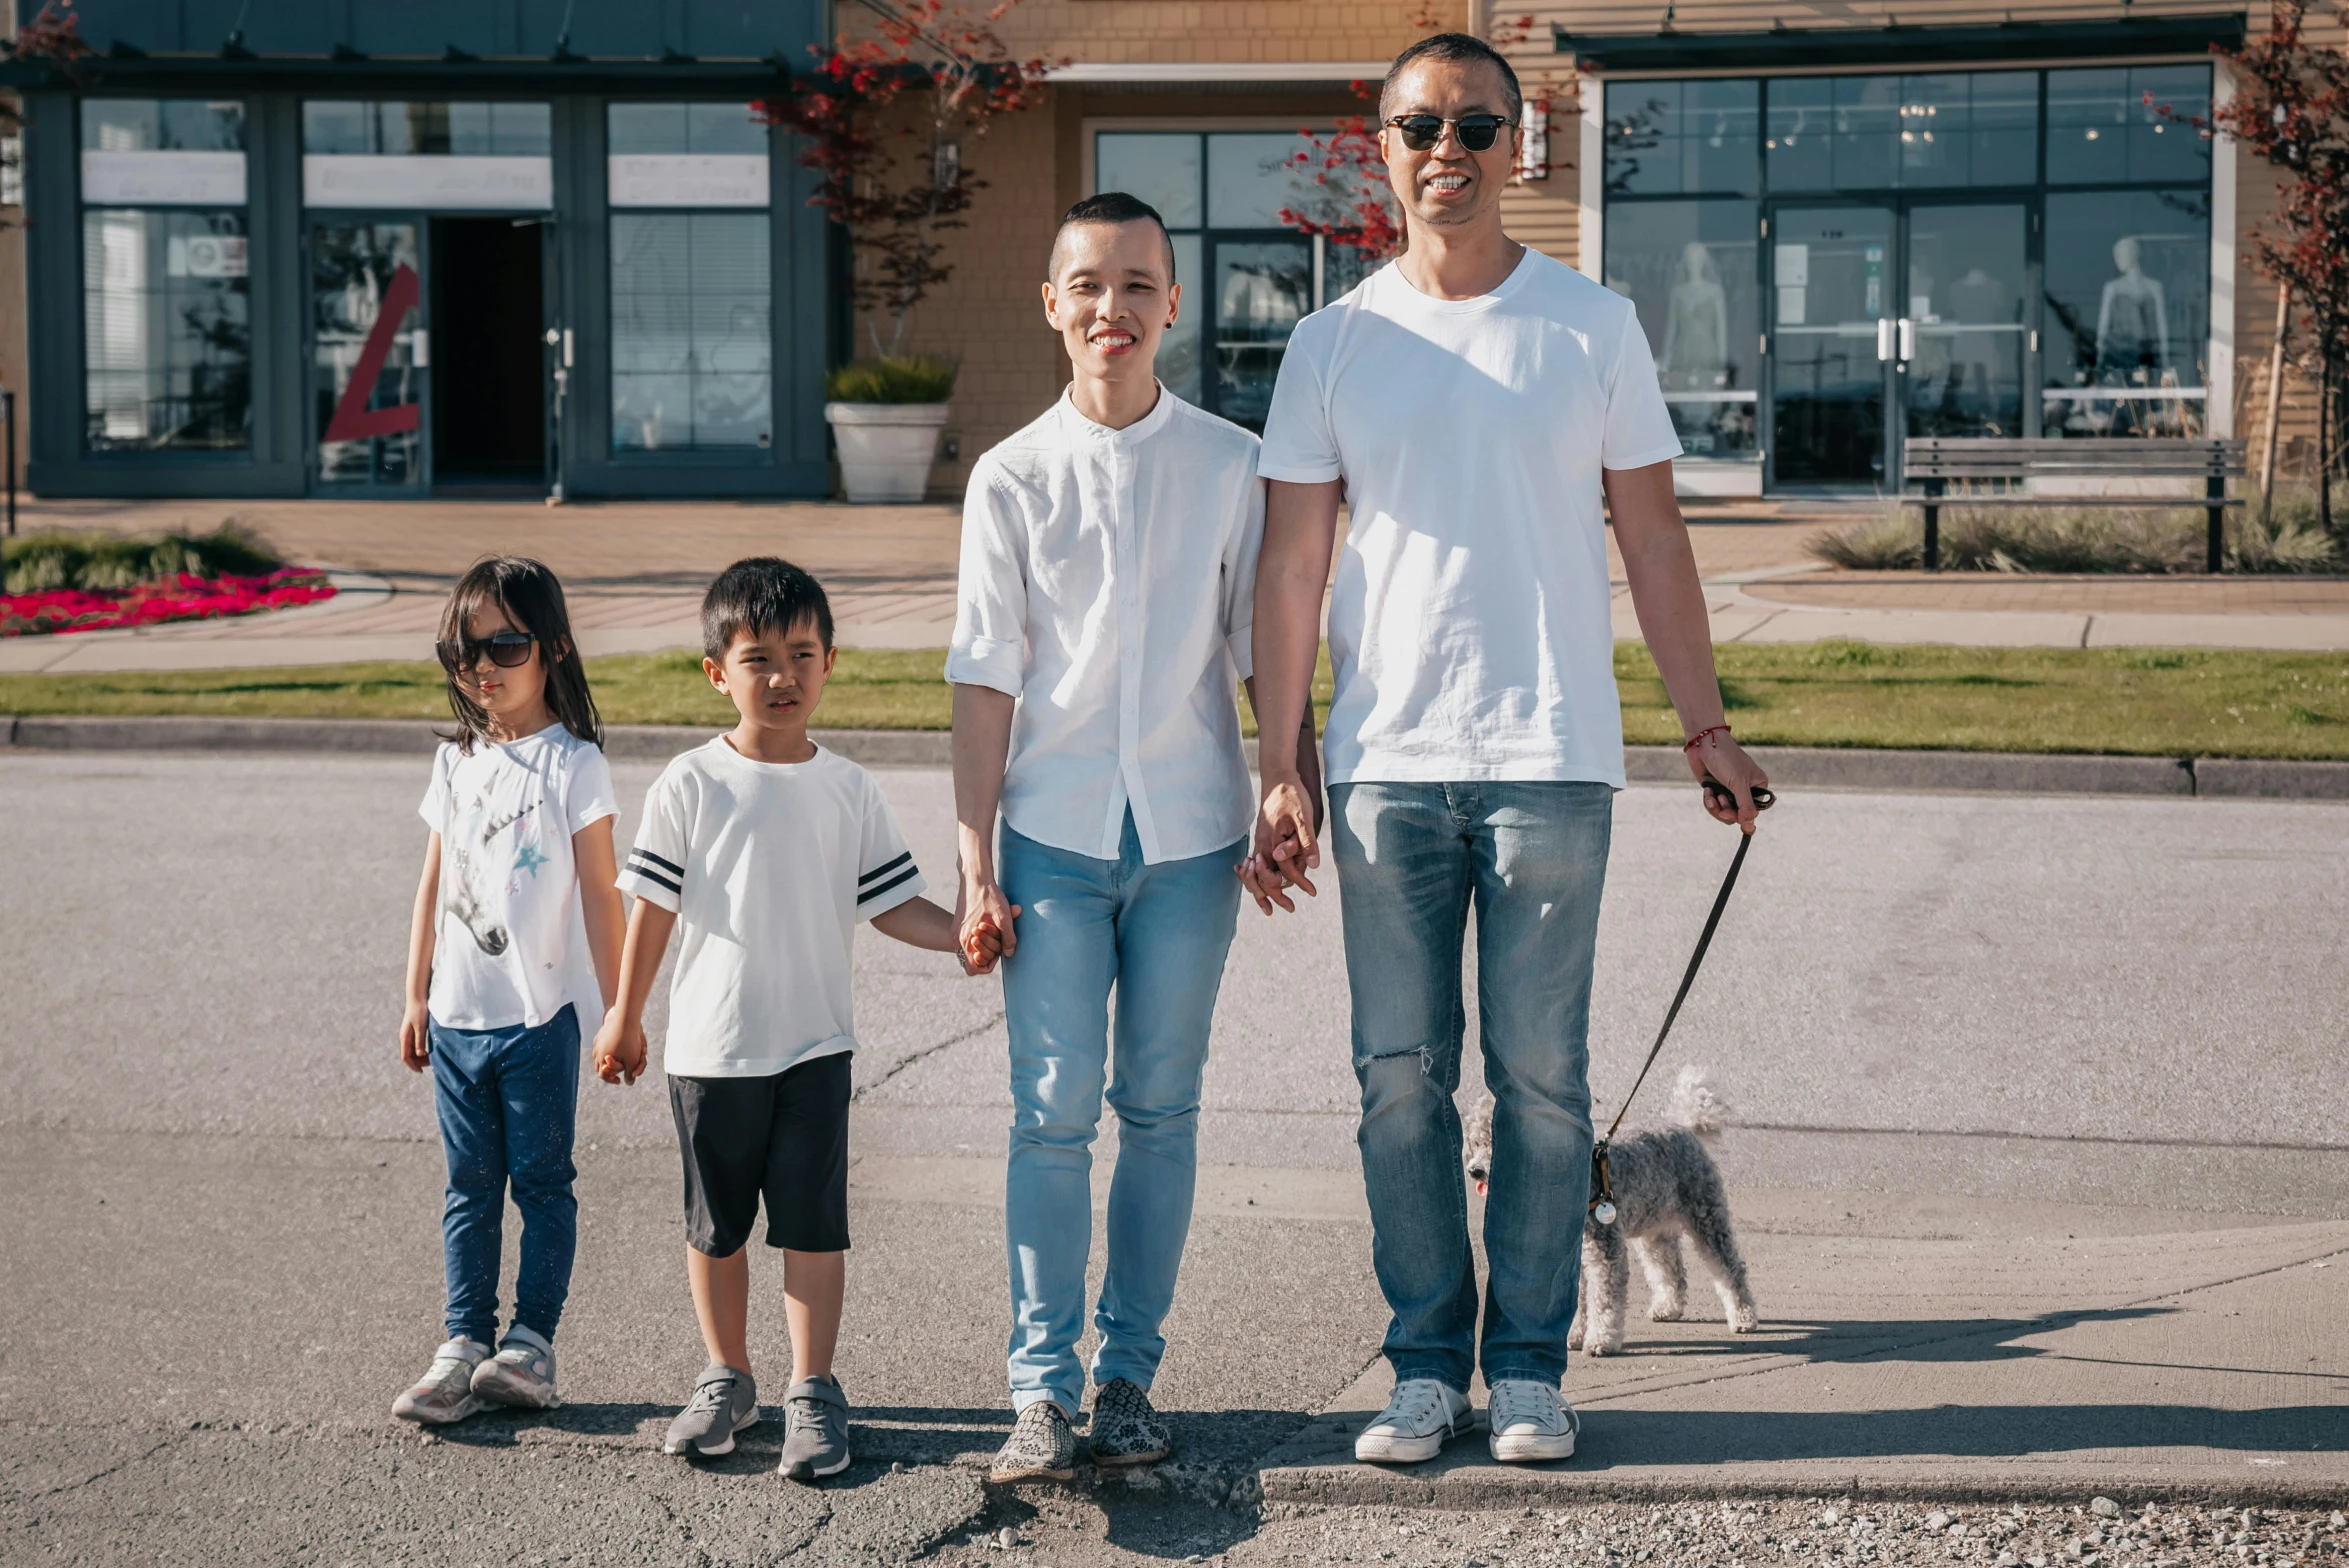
(1530, 1422)
(724, 1402)
(522, 1373)
(445, 1392)
(815, 1430)
(1042, 1446)
(1421, 1416)
(1126, 1430)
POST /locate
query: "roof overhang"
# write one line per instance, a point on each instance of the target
(1192, 73)
(380, 73)
(1793, 48)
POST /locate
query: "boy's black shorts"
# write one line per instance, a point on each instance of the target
(784, 1135)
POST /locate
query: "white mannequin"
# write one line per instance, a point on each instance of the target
(1696, 324)
(2132, 314)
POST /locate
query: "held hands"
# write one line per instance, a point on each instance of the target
(415, 1038)
(1287, 844)
(619, 1048)
(985, 924)
(1729, 777)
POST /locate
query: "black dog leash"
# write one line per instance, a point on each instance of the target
(1602, 1187)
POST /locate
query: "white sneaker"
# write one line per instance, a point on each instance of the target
(445, 1392)
(1530, 1422)
(1422, 1415)
(522, 1373)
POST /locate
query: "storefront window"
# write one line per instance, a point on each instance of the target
(2106, 126)
(1888, 132)
(692, 331)
(2128, 313)
(1248, 278)
(365, 305)
(1673, 138)
(402, 129)
(1689, 266)
(166, 317)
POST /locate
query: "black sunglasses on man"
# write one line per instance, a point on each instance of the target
(1476, 131)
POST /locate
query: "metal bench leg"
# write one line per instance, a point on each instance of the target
(2215, 489)
(1933, 526)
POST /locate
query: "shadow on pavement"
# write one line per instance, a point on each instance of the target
(1691, 1437)
(1898, 1339)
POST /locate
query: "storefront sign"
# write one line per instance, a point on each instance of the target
(407, 180)
(688, 179)
(155, 179)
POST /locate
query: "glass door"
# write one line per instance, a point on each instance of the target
(370, 358)
(1262, 289)
(1962, 339)
(1832, 345)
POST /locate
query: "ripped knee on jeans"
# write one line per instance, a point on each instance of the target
(1436, 1064)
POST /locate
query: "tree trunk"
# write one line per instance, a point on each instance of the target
(2275, 398)
(2327, 402)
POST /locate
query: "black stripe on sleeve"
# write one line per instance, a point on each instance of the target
(655, 877)
(907, 875)
(883, 869)
(642, 853)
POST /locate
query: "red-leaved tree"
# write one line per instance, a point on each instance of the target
(885, 116)
(1350, 203)
(2291, 107)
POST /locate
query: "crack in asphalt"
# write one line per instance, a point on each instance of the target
(924, 1054)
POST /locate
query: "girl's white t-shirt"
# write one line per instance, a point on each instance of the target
(1470, 622)
(511, 944)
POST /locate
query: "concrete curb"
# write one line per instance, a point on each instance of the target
(1793, 767)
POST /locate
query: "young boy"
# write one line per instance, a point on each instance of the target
(1107, 590)
(767, 849)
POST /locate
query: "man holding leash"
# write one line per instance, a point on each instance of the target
(1472, 402)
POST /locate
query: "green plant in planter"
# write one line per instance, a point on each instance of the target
(894, 378)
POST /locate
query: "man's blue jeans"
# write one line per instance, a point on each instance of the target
(1159, 935)
(508, 1101)
(1531, 858)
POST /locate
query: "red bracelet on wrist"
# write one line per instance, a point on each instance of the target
(1698, 739)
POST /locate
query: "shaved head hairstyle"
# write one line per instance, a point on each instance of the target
(1108, 207)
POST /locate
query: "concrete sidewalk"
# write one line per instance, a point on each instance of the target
(634, 573)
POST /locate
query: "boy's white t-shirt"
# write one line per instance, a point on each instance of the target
(768, 866)
(1470, 623)
(509, 939)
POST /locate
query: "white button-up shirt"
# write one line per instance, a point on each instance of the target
(1109, 583)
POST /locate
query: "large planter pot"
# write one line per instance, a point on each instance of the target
(885, 448)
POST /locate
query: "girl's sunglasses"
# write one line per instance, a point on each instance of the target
(507, 650)
(1476, 131)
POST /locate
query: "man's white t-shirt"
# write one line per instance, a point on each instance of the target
(1469, 625)
(768, 867)
(510, 946)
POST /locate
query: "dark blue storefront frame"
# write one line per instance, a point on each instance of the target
(282, 459)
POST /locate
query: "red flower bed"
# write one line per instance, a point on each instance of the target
(184, 598)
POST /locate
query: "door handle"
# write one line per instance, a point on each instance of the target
(1908, 338)
(1883, 338)
(419, 347)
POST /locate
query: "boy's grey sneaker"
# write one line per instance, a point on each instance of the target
(1530, 1423)
(1042, 1446)
(725, 1401)
(522, 1373)
(445, 1392)
(1421, 1416)
(815, 1430)
(1126, 1430)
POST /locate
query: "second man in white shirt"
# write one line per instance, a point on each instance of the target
(1107, 589)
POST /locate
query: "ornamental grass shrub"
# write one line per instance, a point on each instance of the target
(2085, 539)
(894, 378)
(115, 563)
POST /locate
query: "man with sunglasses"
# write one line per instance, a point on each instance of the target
(1472, 403)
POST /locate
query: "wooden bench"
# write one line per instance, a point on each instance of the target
(1935, 461)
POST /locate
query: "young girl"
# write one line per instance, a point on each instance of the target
(519, 874)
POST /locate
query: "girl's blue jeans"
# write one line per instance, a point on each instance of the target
(508, 1102)
(1531, 859)
(1157, 935)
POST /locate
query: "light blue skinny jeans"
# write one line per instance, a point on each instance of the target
(1531, 858)
(1158, 936)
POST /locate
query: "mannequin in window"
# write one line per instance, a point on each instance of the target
(1696, 324)
(2132, 321)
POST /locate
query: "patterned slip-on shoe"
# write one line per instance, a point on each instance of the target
(1126, 1430)
(1042, 1446)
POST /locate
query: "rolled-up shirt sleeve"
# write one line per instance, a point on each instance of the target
(990, 642)
(1239, 578)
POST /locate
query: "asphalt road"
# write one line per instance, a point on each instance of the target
(222, 1239)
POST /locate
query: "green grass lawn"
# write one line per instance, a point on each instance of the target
(2156, 702)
